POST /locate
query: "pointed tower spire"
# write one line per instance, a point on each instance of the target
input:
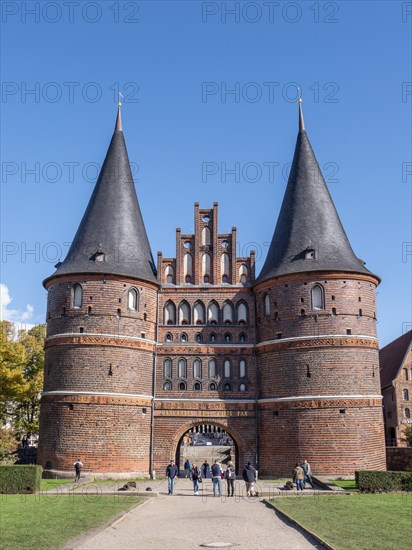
(111, 238)
(309, 235)
(119, 127)
(301, 121)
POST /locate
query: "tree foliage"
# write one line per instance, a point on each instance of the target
(21, 377)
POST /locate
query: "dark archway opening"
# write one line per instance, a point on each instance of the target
(207, 441)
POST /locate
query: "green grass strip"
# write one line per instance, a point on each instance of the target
(355, 522)
(49, 521)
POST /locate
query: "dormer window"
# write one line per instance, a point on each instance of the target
(310, 254)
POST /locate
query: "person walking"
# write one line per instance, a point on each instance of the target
(308, 477)
(187, 468)
(196, 477)
(249, 477)
(230, 476)
(205, 469)
(298, 476)
(78, 465)
(171, 473)
(217, 478)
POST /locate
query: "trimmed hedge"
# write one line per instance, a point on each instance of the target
(375, 481)
(20, 479)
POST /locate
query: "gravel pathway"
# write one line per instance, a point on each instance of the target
(184, 521)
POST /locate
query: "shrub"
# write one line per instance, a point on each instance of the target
(373, 481)
(20, 479)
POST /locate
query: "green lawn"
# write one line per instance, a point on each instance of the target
(47, 484)
(348, 484)
(355, 522)
(46, 521)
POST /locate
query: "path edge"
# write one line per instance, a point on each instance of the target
(284, 516)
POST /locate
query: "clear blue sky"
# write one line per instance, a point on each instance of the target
(179, 60)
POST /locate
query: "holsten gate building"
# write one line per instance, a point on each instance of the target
(286, 362)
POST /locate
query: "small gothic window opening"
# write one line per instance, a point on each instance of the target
(167, 386)
(243, 274)
(77, 296)
(317, 295)
(266, 304)
(182, 368)
(197, 369)
(133, 299)
(169, 274)
(242, 387)
(227, 367)
(242, 313)
(228, 337)
(242, 368)
(198, 337)
(405, 394)
(169, 337)
(212, 368)
(227, 387)
(242, 338)
(182, 386)
(183, 337)
(167, 368)
(197, 386)
(407, 413)
(212, 387)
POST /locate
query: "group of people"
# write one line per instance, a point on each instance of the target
(216, 473)
(302, 475)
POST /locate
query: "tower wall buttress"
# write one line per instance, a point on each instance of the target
(318, 367)
(97, 396)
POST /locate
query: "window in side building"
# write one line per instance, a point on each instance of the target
(405, 394)
(407, 413)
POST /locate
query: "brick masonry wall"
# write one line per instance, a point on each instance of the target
(399, 458)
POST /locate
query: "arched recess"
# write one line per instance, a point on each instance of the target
(184, 428)
(213, 313)
(169, 313)
(199, 316)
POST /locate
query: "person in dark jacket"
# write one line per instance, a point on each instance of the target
(298, 476)
(249, 477)
(196, 477)
(205, 469)
(78, 465)
(230, 476)
(187, 468)
(217, 478)
(307, 472)
(171, 473)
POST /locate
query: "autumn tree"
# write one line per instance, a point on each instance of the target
(21, 377)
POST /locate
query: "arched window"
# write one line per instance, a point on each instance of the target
(266, 304)
(187, 266)
(198, 337)
(133, 299)
(169, 337)
(243, 274)
(182, 386)
(205, 266)
(213, 337)
(405, 372)
(228, 313)
(212, 387)
(169, 313)
(205, 236)
(167, 368)
(212, 368)
(241, 313)
(407, 413)
(183, 337)
(213, 313)
(224, 265)
(188, 279)
(167, 386)
(77, 296)
(317, 296)
(197, 386)
(227, 387)
(405, 394)
(228, 337)
(242, 387)
(197, 368)
(227, 368)
(199, 313)
(182, 368)
(242, 338)
(410, 375)
(169, 274)
(242, 368)
(184, 313)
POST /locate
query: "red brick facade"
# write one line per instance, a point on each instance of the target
(287, 380)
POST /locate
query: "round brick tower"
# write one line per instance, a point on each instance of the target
(101, 332)
(317, 351)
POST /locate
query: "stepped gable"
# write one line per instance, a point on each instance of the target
(111, 238)
(391, 358)
(309, 235)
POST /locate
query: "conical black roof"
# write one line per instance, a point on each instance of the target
(309, 235)
(111, 238)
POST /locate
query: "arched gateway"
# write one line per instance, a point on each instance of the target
(285, 363)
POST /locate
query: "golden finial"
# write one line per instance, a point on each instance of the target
(301, 121)
(119, 103)
(299, 100)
